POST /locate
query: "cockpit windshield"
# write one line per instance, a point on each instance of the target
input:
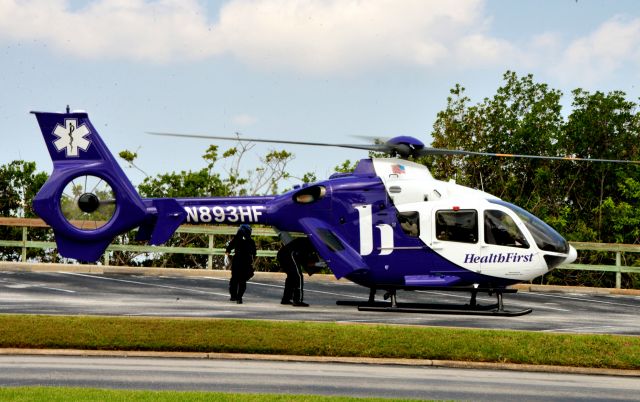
(500, 229)
(544, 235)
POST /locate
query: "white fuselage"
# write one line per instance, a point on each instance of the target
(468, 227)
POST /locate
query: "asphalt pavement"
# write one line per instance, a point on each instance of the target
(97, 290)
(74, 290)
(355, 380)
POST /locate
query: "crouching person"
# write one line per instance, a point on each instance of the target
(292, 257)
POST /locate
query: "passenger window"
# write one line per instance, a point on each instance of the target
(501, 229)
(410, 223)
(460, 226)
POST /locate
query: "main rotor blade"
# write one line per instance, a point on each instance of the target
(440, 151)
(385, 147)
(366, 147)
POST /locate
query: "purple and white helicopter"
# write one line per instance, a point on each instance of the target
(388, 225)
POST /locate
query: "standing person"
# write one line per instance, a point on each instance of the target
(242, 262)
(292, 257)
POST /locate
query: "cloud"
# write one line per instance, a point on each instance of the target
(479, 50)
(615, 45)
(332, 35)
(243, 120)
(313, 36)
(157, 31)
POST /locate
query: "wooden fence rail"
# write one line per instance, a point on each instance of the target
(210, 231)
(210, 251)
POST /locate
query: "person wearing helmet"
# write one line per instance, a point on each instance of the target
(241, 263)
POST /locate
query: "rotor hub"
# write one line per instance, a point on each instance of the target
(405, 146)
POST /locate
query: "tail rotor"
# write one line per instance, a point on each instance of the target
(88, 202)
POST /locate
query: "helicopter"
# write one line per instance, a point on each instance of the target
(388, 225)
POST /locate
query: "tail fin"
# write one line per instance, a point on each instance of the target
(88, 199)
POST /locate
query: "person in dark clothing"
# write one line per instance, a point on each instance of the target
(292, 257)
(242, 262)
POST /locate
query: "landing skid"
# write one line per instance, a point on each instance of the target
(495, 310)
(443, 309)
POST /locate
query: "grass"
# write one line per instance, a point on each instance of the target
(318, 339)
(55, 394)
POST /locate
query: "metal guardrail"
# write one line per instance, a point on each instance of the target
(212, 231)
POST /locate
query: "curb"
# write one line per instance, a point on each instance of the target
(324, 359)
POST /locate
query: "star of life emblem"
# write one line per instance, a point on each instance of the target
(71, 137)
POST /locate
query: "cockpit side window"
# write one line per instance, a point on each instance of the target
(502, 230)
(457, 225)
(410, 223)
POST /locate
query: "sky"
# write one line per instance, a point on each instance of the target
(303, 70)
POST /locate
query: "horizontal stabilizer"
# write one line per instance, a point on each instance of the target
(170, 216)
(164, 216)
(341, 258)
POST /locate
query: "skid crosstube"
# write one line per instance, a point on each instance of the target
(424, 308)
(392, 306)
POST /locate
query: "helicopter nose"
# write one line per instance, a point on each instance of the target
(571, 257)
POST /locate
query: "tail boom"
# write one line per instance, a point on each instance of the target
(227, 210)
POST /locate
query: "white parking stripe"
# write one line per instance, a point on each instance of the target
(146, 284)
(15, 285)
(57, 289)
(582, 299)
(545, 307)
(306, 289)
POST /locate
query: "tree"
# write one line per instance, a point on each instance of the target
(346, 167)
(264, 179)
(130, 157)
(208, 182)
(200, 183)
(584, 201)
(19, 183)
(523, 117)
(600, 126)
